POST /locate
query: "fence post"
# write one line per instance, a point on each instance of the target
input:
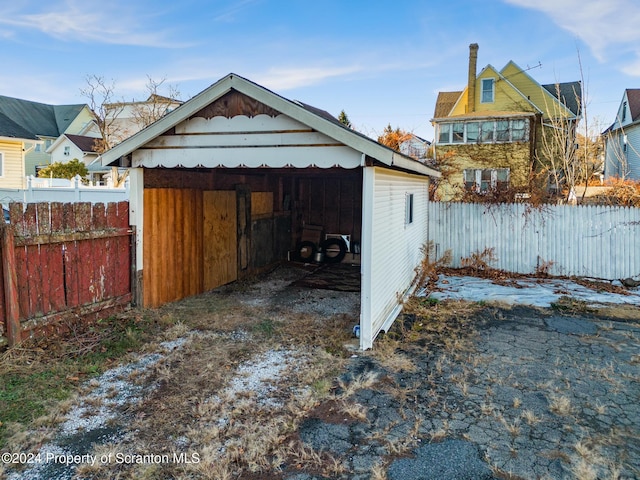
(12, 325)
(77, 181)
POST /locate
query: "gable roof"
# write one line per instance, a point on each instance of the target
(39, 119)
(315, 118)
(85, 144)
(633, 97)
(9, 128)
(633, 104)
(445, 103)
(568, 93)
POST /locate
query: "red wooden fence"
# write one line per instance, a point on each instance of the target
(62, 261)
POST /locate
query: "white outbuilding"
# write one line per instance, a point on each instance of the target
(233, 181)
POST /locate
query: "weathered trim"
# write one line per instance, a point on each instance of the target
(48, 239)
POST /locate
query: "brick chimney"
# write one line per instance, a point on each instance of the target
(471, 83)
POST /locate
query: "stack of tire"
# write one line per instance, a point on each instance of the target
(333, 250)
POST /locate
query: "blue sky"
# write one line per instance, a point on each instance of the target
(382, 62)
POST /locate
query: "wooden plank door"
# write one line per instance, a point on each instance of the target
(220, 248)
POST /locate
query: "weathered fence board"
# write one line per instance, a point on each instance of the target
(586, 241)
(68, 260)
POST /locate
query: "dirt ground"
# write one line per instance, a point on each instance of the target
(263, 380)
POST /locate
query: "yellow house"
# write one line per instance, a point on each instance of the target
(41, 124)
(489, 135)
(12, 152)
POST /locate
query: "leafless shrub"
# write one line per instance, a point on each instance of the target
(480, 261)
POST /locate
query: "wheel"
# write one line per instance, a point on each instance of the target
(305, 251)
(334, 250)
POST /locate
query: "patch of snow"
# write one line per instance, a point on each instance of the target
(258, 377)
(114, 389)
(534, 291)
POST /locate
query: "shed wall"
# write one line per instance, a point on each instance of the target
(391, 246)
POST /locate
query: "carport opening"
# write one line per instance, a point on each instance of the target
(216, 226)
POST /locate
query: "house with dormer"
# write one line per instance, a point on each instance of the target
(489, 136)
(622, 139)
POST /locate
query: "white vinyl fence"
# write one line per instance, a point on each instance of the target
(62, 190)
(585, 241)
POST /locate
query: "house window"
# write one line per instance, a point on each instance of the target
(472, 132)
(502, 131)
(38, 147)
(488, 131)
(487, 90)
(1, 164)
(445, 133)
(67, 150)
(518, 130)
(624, 111)
(485, 180)
(409, 209)
(458, 133)
(486, 135)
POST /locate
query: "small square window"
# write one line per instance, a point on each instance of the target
(409, 209)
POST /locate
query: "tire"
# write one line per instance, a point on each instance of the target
(334, 242)
(306, 251)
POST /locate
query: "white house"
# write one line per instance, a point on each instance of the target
(224, 186)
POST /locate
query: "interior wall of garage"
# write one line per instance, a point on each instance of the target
(208, 227)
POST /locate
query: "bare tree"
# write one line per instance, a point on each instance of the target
(118, 119)
(100, 96)
(558, 152)
(156, 106)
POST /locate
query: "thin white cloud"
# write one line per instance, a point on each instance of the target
(284, 78)
(602, 25)
(231, 12)
(95, 22)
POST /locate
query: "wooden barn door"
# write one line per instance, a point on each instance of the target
(219, 238)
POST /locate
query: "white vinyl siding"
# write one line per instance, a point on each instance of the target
(391, 246)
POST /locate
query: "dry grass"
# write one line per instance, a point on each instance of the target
(530, 417)
(560, 405)
(354, 410)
